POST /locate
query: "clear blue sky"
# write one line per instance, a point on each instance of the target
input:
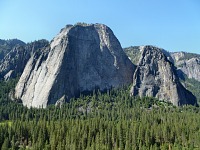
(171, 24)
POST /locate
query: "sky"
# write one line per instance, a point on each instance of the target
(170, 24)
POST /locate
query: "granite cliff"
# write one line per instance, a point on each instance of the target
(7, 45)
(187, 63)
(156, 76)
(15, 60)
(82, 57)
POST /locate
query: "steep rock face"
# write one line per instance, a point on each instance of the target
(80, 58)
(188, 63)
(7, 45)
(14, 62)
(156, 76)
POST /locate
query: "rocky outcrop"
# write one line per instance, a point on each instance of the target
(14, 62)
(7, 45)
(80, 58)
(156, 76)
(187, 63)
(134, 53)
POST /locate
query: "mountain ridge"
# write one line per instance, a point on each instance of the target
(84, 57)
(15, 60)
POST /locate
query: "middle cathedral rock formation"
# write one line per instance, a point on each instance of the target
(80, 58)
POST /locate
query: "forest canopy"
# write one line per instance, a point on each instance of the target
(110, 120)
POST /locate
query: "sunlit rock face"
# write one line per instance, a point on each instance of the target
(188, 63)
(82, 57)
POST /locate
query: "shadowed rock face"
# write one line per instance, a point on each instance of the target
(80, 58)
(156, 76)
(188, 63)
(14, 62)
(7, 45)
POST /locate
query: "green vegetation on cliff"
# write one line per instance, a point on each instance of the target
(193, 86)
(133, 53)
